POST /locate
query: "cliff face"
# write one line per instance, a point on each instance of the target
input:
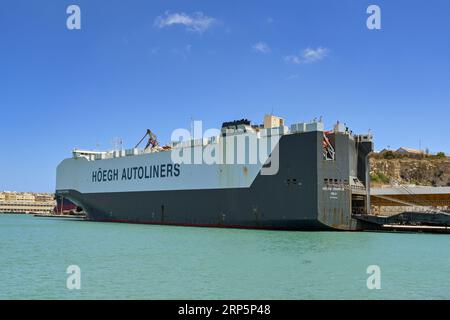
(427, 172)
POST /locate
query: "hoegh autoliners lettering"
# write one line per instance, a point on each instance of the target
(137, 173)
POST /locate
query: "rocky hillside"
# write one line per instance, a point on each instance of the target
(430, 171)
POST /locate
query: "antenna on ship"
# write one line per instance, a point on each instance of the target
(117, 144)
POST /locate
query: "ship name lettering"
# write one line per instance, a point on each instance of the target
(133, 173)
(105, 175)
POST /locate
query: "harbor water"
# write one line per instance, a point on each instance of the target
(127, 261)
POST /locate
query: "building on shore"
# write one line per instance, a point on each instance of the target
(26, 202)
(405, 152)
(413, 153)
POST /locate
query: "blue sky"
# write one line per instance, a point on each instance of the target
(158, 64)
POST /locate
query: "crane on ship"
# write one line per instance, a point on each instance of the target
(152, 140)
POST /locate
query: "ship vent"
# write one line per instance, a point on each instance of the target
(234, 124)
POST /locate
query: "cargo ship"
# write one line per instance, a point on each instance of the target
(304, 178)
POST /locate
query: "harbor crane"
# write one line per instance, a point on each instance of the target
(152, 140)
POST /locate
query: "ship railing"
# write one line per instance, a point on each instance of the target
(202, 142)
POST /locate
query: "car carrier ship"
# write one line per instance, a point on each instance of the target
(306, 179)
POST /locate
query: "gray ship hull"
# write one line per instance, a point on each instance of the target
(298, 197)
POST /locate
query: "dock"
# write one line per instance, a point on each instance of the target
(58, 216)
(416, 228)
(411, 221)
(395, 199)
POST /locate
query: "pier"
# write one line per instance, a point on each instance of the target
(395, 199)
(60, 216)
(409, 209)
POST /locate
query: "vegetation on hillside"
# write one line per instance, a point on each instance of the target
(429, 170)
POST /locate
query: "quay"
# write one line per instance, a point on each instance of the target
(61, 216)
(415, 228)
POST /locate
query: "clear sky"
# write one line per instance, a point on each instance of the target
(158, 64)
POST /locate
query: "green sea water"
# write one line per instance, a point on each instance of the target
(126, 261)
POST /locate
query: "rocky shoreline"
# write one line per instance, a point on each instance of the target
(425, 172)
